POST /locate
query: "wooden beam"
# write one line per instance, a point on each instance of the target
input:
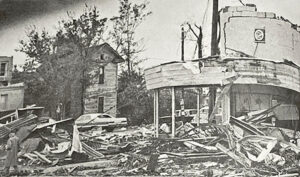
(157, 112)
(212, 101)
(226, 108)
(224, 91)
(246, 126)
(173, 112)
(43, 157)
(241, 160)
(96, 164)
(198, 107)
(154, 111)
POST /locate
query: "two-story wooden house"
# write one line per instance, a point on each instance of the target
(101, 96)
(101, 93)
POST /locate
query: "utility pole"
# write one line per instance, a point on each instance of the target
(182, 59)
(214, 51)
(182, 44)
(214, 28)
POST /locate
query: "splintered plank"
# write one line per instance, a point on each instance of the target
(44, 158)
(93, 164)
(241, 160)
(246, 126)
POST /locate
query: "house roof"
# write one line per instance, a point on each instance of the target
(117, 59)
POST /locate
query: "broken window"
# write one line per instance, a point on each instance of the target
(3, 69)
(100, 104)
(101, 75)
(3, 101)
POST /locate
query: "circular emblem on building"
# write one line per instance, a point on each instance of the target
(259, 35)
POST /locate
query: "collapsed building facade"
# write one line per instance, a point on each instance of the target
(257, 69)
(11, 95)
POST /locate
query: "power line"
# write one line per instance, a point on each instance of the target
(241, 2)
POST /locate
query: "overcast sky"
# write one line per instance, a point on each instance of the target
(160, 31)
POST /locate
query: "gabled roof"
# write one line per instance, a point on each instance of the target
(117, 59)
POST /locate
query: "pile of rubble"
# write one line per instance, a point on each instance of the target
(243, 147)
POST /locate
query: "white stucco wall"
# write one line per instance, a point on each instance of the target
(15, 97)
(237, 25)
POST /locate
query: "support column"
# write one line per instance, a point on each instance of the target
(212, 100)
(154, 110)
(173, 113)
(198, 107)
(226, 108)
(156, 95)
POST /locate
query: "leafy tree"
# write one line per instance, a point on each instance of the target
(85, 32)
(51, 58)
(124, 29)
(51, 70)
(134, 100)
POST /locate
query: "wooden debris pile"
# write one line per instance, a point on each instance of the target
(244, 147)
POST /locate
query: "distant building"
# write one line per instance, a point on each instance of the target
(101, 94)
(11, 95)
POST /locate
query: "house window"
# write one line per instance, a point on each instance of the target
(100, 104)
(101, 75)
(3, 101)
(102, 56)
(3, 69)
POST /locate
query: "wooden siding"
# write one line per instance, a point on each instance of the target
(247, 71)
(108, 89)
(185, 74)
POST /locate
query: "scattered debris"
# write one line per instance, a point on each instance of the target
(245, 146)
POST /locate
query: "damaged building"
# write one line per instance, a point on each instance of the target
(11, 95)
(257, 69)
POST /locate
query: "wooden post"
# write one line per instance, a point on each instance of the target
(157, 112)
(198, 107)
(154, 110)
(214, 28)
(182, 44)
(212, 99)
(214, 50)
(226, 108)
(173, 112)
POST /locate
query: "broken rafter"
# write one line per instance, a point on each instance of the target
(44, 158)
(243, 160)
(246, 126)
(254, 117)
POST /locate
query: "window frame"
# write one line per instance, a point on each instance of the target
(5, 68)
(101, 75)
(102, 107)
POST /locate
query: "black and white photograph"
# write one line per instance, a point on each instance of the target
(207, 88)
